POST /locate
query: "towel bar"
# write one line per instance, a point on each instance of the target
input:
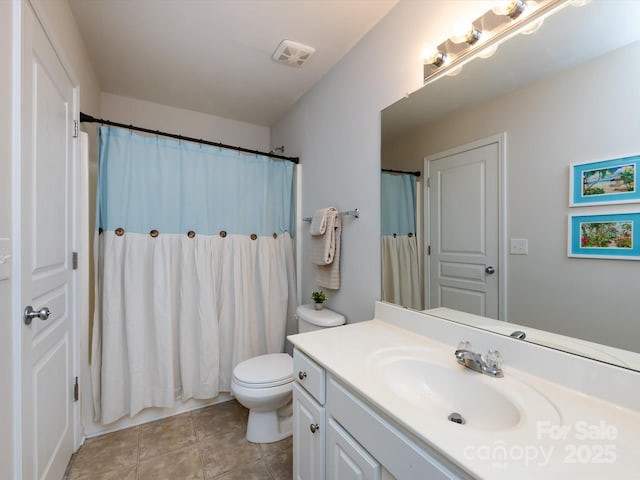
(354, 213)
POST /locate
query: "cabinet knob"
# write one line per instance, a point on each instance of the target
(302, 375)
(314, 427)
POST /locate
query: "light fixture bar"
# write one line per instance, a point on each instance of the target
(491, 29)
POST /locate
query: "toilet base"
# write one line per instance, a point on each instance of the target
(269, 427)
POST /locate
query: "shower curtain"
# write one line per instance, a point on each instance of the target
(195, 269)
(401, 278)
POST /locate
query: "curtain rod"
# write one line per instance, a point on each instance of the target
(416, 173)
(89, 119)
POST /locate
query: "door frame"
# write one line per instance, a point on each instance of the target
(501, 140)
(79, 306)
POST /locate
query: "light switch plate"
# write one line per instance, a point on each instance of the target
(519, 246)
(5, 258)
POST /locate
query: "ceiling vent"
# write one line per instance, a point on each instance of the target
(293, 54)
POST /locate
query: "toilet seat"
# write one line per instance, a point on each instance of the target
(265, 371)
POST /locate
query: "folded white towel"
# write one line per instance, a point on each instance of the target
(319, 221)
(323, 246)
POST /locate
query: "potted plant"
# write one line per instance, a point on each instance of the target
(319, 298)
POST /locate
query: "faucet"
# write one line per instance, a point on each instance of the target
(475, 362)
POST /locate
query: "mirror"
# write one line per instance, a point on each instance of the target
(566, 94)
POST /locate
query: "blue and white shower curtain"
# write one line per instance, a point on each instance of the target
(195, 269)
(401, 278)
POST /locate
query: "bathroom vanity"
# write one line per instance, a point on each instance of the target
(375, 400)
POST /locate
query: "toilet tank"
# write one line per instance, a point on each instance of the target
(310, 319)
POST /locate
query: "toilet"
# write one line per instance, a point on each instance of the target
(264, 384)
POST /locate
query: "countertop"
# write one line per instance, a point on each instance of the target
(585, 438)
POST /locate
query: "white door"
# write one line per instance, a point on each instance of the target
(45, 242)
(463, 223)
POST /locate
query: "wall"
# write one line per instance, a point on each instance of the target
(6, 317)
(584, 114)
(335, 130)
(185, 122)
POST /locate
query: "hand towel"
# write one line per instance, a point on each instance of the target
(328, 275)
(323, 246)
(319, 221)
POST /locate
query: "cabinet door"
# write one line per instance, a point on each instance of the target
(346, 459)
(308, 436)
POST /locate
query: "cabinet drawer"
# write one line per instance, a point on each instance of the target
(310, 375)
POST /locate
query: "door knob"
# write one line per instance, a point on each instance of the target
(30, 314)
(490, 270)
(314, 427)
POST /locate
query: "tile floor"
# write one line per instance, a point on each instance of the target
(204, 444)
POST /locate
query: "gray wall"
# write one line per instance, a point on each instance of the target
(586, 114)
(335, 129)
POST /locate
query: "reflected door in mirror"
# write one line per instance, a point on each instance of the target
(463, 227)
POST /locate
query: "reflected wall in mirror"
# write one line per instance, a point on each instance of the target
(566, 94)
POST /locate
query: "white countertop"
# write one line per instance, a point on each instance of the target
(587, 438)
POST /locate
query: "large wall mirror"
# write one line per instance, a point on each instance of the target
(566, 94)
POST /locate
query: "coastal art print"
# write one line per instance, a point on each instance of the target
(605, 182)
(612, 236)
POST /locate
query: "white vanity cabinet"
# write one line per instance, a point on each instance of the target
(338, 436)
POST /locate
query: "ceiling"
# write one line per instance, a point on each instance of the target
(214, 56)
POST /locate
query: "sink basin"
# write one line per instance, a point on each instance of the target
(436, 388)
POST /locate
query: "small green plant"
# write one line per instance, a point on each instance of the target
(319, 297)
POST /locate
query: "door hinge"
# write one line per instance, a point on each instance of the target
(429, 250)
(74, 260)
(75, 391)
(428, 182)
(75, 129)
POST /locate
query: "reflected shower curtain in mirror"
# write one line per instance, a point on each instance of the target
(194, 265)
(401, 279)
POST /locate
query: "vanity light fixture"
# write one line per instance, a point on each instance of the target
(482, 37)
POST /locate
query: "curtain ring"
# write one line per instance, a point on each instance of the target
(153, 233)
(410, 234)
(395, 235)
(119, 231)
(254, 236)
(191, 234)
(223, 233)
(275, 235)
(100, 231)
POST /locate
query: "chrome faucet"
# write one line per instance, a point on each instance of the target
(477, 363)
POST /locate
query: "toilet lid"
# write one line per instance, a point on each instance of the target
(265, 370)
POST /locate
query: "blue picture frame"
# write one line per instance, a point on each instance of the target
(604, 182)
(608, 236)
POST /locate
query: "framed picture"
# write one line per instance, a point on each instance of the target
(605, 182)
(611, 236)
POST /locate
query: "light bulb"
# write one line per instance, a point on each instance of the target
(454, 71)
(433, 56)
(465, 33)
(510, 8)
(532, 27)
(488, 52)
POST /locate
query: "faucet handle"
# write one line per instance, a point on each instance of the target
(464, 345)
(494, 359)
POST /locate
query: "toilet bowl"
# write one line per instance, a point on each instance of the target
(264, 384)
